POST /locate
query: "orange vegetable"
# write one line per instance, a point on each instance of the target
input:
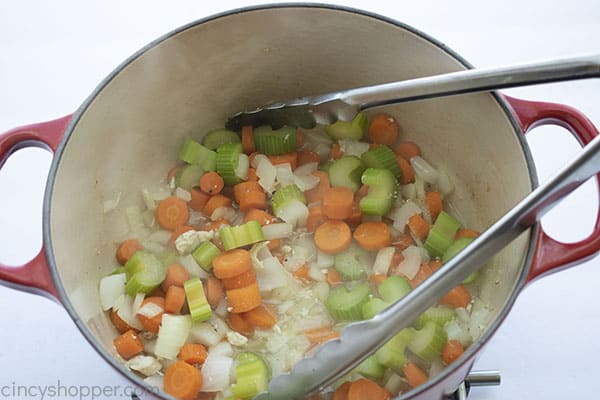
(119, 324)
(178, 231)
(335, 152)
(152, 324)
(126, 249)
(215, 202)
(408, 172)
(301, 273)
(333, 277)
(384, 129)
(242, 280)
(341, 393)
(451, 351)
(261, 216)
(252, 177)
(193, 353)
(213, 289)
(306, 157)
(260, 317)
(231, 263)
(435, 264)
(237, 323)
(244, 299)
(423, 273)
(333, 237)
(174, 299)
(211, 183)
(316, 194)
(458, 297)
(199, 199)
(407, 150)
(414, 375)
(291, 158)
(176, 275)
(299, 138)
(434, 204)
(337, 202)
(274, 244)
(397, 258)
(376, 279)
(250, 195)
(248, 145)
(373, 235)
(470, 233)
(366, 389)
(403, 241)
(182, 381)
(172, 212)
(418, 226)
(321, 335)
(129, 344)
(315, 218)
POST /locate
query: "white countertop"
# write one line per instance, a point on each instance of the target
(53, 54)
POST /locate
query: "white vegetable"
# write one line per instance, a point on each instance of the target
(236, 339)
(148, 200)
(285, 176)
(160, 236)
(424, 170)
(111, 288)
(188, 241)
(196, 218)
(324, 260)
(294, 212)
(137, 302)
(216, 373)
(110, 204)
(220, 326)
(205, 334)
(402, 215)
(457, 331)
(383, 260)
(306, 169)
(315, 273)
(150, 310)
(409, 191)
(271, 275)
(156, 381)
(172, 335)
(227, 213)
(183, 194)
(411, 263)
(277, 231)
(353, 147)
(124, 308)
(266, 174)
(241, 171)
(146, 365)
(153, 247)
(419, 188)
(444, 184)
(395, 383)
(189, 263)
(259, 157)
(221, 349)
(306, 182)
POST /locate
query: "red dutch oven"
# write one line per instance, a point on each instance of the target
(192, 79)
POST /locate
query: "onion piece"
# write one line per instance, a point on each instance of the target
(306, 182)
(216, 373)
(294, 212)
(277, 230)
(124, 308)
(111, 288)
(402, 215)
(266, 174)
(272, 275)
(183, 194)
(424, 170)
(353, 147)
(411, 263)
(284, 173)
(243, 165)
(189, 263)
(204, 333)
(383, 260)
(150, 310)
(444, 184)
(306, 169)
(110, 204)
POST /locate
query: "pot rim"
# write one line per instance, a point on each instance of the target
(472, 350)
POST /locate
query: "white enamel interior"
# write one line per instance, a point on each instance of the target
(129, 134)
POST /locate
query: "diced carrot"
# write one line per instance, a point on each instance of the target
(244, 299)
(306, 157)
(174, 299)
(248, 145)
(178, 231)
(182, 381)
(126, 249)
(172, 212)
(176, 275)
(376, 279)
(301, 273)
(397, 258)
(211, 183)
(333, 277)
(231, 263)
(335, 152)
(260, 317)
(242, 280)
(434, 204)
(333, 237)
(321, 335)
(242, 188)
(355, 217)
(451, 351)
(337, 202)
(373, 235)
(414, 375)
(193, 353)
(435, 264)
(407, 150)
(299, 138)
(418, 226)
(363, 389)
(403, 241)
(261, 216)
(151, 324)
(408, 172)
(315, 218)
(458, 297)
(119, 324)
(423, 273)
(250, 195)
(252, 156)
(287, 158)
(274, 244)
(316, 194)
(384, 129)
(129, 344)
(464, 232)
(213, 289)
(215, 202)
(157, 292)
(341, 393)
(252, 177)
(199, 199)
(237, 323)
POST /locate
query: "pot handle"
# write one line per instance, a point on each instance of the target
(550, 254)
(33, 276)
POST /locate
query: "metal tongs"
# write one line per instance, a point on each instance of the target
(358, 340)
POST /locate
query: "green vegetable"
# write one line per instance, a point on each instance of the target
(351, 263)
(196, 299)
(284, 196)
(371, 368)
(383, 189)
(454, 249)
(393, 353)
(228, 156)
(441, 234)
(275, 142)
(429, 341)
(145, 272)
(233, 237)
(354, 129)
(394, 288)
(217, 137)
(251, 374)
(188, 176)
(193, 152)
(346, 172)
(205, 254)
(346, 304)
(382, 157)
(438, 314)
(373, 307)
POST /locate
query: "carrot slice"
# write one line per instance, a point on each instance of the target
(407, 150)
(333, 237)
(335, 152)
(403, 241)
(244, 299)
(126, 249)
(248, 145)
(199, 199)
(260, 317)
(252, 177)
(376, 279)
(261, 216)
(211, 183)
(337, 202)
(418, 226)
(129, 344)
(174, 299)
(306, 157)
(176, 276)
(408, 172)
(434, 204)
(215, 202)
(414, 375)
(316, 194)
(239, 281)
(333, 277)
(291, 158)
(384, 129)
(237, 323)
(213, 289)
(341, 393)
(458, 297)
(451, 351)
(363, 389)
(373, 235)
(321, 335)
(274, 244)
(182, 381)
(119, 324)
(231, 263)
(152, 324)
(172, 212)
(193, 353)
(464, 232)
(250, 195)
(315, 218)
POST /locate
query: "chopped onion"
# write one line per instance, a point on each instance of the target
(266, 174)
(277, 231)
(424, 170)
(291, 263)
(395, 383)
(259, 157)
(285, 176)
(153, 247)
(111, 288)
(306, 169)
(324, 260)
(241, 171)
(150, 310)
(419, 188)
(156, 381)
(160, 236)
(323, 151)
(444, 184)
(315, 273)
(110, 204)
(353, 147)
(160, 194)
(402, 215)
(145, 365)
(216, 373)
(227, 213)
(383, 260)
(220, 326)
(457, 331)
(196, 218)
(221, 349)
(306, 182)
(189, 263)
(137, 302)
(294, 212)
(124, 308)
(411, 263)
(148, 200)
(272, 275)
(205, 334)
(183, 194)
(409, 191)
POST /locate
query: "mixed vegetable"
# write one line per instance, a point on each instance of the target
(264, 243)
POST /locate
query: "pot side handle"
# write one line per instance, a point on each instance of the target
(550, 254)
(33, 276)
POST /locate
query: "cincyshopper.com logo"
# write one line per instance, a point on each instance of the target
(62, 391)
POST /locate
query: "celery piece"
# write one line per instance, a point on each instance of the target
(215, 138)
(383, 189)
(354, 129)
(346, 304)
(144, 272)
(373, 307)
(346, 172)
(284, 195)
(455, 248)
(438, 314)
(382, 157)
(233, 237)
(251, 374)
(196, 299)
(188, 176)
(205, 254)
(371, 368)
(394, 288)
(227, 160)
(429, 341)
(351, 263)
(118, 270)
(441, 234)
(275, 142)
(193, 152)
(393, 353)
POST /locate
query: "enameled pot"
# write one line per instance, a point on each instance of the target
(127, 133)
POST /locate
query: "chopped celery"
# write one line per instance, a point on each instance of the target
(373, 307)
(394, 288)
(455, 248)
(428, 341)
(392, 354)
(193, 152)
(227, 160)
(145, 272)
(371, 368)
(188, 176)
(438, 314)
(172, 334)
(275, 142)
(284, 195)
(217, 137)
(251, 374)
(196, 299)
(233, 237)
(383, 189)
(354, 129)
(118, 270)
(382, 157)
(441, 234)
(346, 304)
(351, 263)
(346, 172)
(205, 254)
